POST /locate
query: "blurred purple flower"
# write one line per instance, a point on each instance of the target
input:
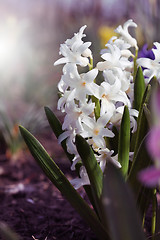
(145, 52)
(150, 176)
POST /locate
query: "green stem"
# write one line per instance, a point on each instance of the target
(154, 204)
(143, 220)
(90, 64)
(135, 64)
(97, 106)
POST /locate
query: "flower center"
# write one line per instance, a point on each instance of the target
(83, 84)
(96, 131)
(128, 90)
(105, 96)
(78, 113)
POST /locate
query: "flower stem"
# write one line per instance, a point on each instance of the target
(90, 64)
(97, 107)
(135, 64)
(154, 204)
(143, 220)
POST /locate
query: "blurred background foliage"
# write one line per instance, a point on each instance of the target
(30, 35)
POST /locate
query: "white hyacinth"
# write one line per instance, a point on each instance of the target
(78, 90)
(74, 50)
(125, 35)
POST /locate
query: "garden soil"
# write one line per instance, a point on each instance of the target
(30, 204)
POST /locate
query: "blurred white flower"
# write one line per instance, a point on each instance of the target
(121, 44)
(125, 35)
(74, 50)
(113, 59)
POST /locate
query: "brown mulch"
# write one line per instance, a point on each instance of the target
(32, 206)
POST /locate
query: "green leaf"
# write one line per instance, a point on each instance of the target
(57, 129)
(120, 207)
(7, 233)
(141, 161)
(141, 158)
(148, 115)
(139, 88)
(60, 181)
(142, 193)
(93, 169)
(124, 142)
(142, 121)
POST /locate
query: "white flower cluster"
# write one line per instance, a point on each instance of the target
(152, 67)
(78, 91)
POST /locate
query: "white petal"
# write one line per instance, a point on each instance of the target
(77, 183)
(61, 61)
(83, 47)
(101, 66)
(108, 133)
(90, 76)
(89, 122)
(63, 136)
(115, 162)
(103, 120)
(129, 23)
(145, 62)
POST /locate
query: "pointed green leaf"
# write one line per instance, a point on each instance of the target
(139, 88)
(141, 158)
(141, 161)
(92, 167)
(138, 136)
(124, 142)
(60, 181)
(144, 194)
(148, 115)
(142, 123)
(120, 207)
